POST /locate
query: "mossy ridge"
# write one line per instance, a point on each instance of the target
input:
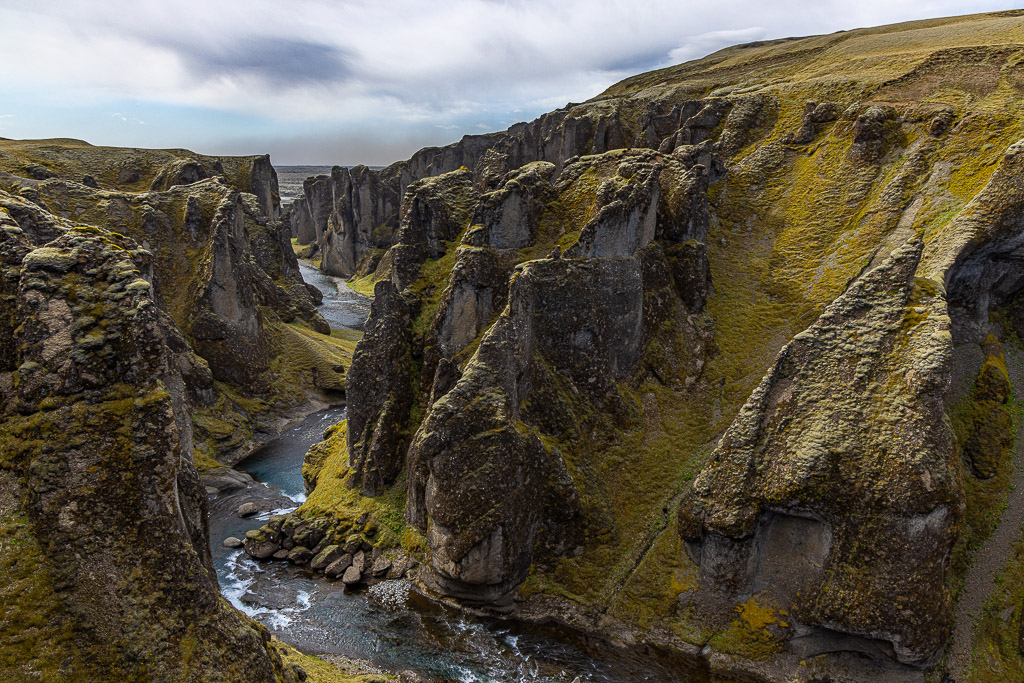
(126, 169)
(325, 470)
(872, 56)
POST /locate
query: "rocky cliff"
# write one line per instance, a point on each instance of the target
(711, 362)
(106, 562)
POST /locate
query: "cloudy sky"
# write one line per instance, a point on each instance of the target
(360, 81)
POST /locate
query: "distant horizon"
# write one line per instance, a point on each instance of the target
(321, 83)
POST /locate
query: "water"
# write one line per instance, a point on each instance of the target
(342, 307)
(280, 461)
(390, 624)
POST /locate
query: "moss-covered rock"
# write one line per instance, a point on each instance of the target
(104, 516)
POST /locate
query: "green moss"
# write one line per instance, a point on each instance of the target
(649, 595)
(997, 653)
(363, 285)
(319, 671)
(755, 634)
(976, 428)
(36, 635)
(327, 465)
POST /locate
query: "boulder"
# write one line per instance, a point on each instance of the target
(247, 509)
(326, 556)
(380, 566)
(299, 555)
(352, 576)
(338, 567)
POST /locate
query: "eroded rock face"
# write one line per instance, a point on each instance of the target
(364, 219)
(113, 560)
(379, 393)
(311, 212)
(221, 269)
(858, 522)
(482, 477)
(833, 497)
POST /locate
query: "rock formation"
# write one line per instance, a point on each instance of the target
(106, 562)
(221, 267)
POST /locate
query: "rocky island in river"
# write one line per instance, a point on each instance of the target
(717, 368)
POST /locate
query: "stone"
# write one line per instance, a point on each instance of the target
(359, 562)
(232, 542)
(380, 566)
(247, 509)
(352, 576)
(299, 555)
(260, 550)
(338, 567)
(398, 568)
(772, 529)
(326, 557)
(281, 554)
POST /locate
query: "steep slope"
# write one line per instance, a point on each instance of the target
(565, 342)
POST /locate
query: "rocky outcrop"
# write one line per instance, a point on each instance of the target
(379, 393)
(784, 509)
(115, 168)
(225, 273)
(363, 222)
(109, 576)
(573, 476)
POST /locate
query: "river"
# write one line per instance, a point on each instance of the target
(388, 624)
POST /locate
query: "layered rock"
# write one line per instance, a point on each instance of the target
(109, 576)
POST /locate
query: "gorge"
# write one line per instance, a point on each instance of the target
(710, 377)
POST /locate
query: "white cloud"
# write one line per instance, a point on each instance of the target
(360, 63)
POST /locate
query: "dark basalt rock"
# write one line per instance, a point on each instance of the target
(378, 392)
(113, 508)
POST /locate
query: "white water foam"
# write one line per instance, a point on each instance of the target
(240, 577)
(267, 514)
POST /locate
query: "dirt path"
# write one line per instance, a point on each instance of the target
(995, 551)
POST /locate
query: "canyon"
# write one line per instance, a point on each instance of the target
(717, 367)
